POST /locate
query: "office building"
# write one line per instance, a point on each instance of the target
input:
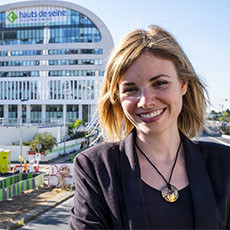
(52, 60)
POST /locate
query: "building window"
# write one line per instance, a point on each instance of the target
(86, 113)
(72, 113)
(1, 111)
(12, 113)
(54, 112)
(35, 113)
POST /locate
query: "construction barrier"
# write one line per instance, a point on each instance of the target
(61, 175)
(17, 184)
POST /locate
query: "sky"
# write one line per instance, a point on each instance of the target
(202, 28)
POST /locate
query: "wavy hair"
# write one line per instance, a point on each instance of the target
(113, 123)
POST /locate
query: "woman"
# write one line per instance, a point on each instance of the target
(153, 176)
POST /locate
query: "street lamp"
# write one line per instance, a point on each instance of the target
(22, 100)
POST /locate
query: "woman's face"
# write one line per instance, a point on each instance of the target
(151, 95)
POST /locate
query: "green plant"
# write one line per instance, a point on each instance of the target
(46, 140)
(74, 129)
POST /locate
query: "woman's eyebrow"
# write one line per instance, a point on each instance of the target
(158, 76)
(128, 84)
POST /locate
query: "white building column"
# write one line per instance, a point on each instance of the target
(92, 111)
(43, 114)
(80, 111)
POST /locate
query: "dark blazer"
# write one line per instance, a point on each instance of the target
(108, 186)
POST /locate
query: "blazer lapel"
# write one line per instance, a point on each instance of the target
(202, 193)
(131, 185)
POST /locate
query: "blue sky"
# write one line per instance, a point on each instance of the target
(202, 27)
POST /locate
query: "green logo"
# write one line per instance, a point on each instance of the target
(12, 17)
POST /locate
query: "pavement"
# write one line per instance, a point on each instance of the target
(39, 210)
(43, 168)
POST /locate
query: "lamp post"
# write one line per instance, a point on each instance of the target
(22, 100)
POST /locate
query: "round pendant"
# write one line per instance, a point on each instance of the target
(170, 193)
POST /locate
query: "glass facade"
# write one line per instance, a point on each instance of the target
(86, 113)
(52, 62)
(75, 28)
(36, 114)
(72, 113)
(13, 112)
(50, 52)
(52, 73)
(53, 112)
(50, 90)
(1, 111)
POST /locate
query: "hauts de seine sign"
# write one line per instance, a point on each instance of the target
(35, 15)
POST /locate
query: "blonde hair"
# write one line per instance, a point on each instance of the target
(113, 122)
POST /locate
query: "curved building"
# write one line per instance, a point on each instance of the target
(52, 61)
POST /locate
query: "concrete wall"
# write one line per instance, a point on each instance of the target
(58, 132)
(15, 151)
(9, 135)
(12, 134)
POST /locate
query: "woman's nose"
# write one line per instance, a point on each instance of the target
(146, 100)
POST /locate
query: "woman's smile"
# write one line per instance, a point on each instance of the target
(151, 116)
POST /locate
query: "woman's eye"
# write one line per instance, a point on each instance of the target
(129, 90)
(160, 83)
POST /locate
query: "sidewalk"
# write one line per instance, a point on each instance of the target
(39, 210)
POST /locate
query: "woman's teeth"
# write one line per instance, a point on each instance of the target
(151, 115)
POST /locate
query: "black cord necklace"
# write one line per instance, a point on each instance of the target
(169, 192)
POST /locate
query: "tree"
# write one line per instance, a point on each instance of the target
(225, 116)
(74, 129)
(46, 140)
(215, 116)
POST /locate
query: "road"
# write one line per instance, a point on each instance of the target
(57, 218)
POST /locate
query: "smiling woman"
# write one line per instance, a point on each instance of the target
(153, 176)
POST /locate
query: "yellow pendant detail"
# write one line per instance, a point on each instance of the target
(170, 193)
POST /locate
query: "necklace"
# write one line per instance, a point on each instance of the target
(169, 192)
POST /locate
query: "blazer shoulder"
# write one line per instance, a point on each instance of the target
(214, 150)
(103, 152)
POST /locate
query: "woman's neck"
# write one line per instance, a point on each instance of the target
(163, 146)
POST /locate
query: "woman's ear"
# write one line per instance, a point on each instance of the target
(184, 87)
